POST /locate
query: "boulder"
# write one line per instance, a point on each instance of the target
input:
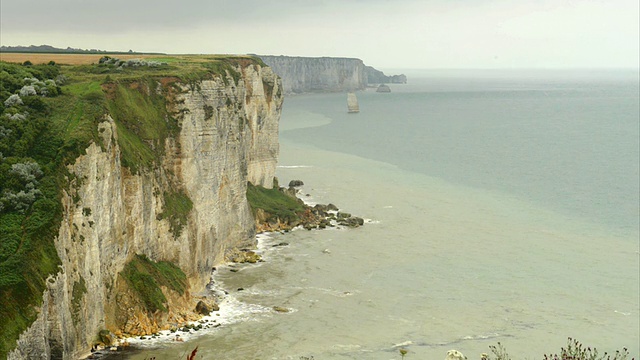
(291, 191)
(331, 207)
(245, 256)
(294, 183)
(106, 337)
(352, 221)
(202, 308)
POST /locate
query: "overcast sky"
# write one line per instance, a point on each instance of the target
(384, 33)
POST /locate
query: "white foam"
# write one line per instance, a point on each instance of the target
(622, 313)
(231, 311)
(481, 337)
(406, 343)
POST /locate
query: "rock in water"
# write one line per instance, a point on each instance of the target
(383, 89)
(294, 183)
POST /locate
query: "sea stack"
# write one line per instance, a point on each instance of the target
(352, 103)
(383, 89)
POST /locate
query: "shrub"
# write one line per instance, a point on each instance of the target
(28, 90)
(28, 172)
(15, 117)
(576, 351)
(13, 100)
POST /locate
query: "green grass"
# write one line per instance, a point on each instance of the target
(143, 122)
(79, 289)
(177, 206)
(274, 202)
(146, 276)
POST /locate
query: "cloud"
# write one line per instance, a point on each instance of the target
(391, 33)
(127, 15)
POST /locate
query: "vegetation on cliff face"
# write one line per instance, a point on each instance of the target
(146, 276)
(177, 206)
(49, 115)
(274, 202)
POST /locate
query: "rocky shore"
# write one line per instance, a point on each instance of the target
(201, 315)
(317, 216)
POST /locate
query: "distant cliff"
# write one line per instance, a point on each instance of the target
(326, 74)
(375, 76)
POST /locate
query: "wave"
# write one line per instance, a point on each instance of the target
(294, 166)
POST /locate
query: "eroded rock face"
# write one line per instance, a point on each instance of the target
(228, 136)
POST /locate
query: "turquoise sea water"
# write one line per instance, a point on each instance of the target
(502, 207)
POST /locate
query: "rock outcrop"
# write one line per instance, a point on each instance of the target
(325, 74)
(228, 135)
(375, 76)
(383, 89)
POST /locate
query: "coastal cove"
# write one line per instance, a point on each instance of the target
(443, 264)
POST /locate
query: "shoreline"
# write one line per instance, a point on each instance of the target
(230, 310)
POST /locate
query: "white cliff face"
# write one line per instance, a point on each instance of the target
(228, 136)
(324, 74)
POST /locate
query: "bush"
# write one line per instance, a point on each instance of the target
(13, 100)
(28, 90)
(574, 351)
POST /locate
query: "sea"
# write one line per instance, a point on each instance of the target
(501, 207)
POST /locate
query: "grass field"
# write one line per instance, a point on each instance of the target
(69, 59)
(88, 59)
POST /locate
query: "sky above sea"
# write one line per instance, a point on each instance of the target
(402, 34)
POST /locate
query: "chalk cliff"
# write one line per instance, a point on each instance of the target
(228, 135)
(325, 74)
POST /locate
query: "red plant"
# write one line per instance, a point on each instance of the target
(193, 354)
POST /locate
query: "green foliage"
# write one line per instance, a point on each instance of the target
(177, 206)
(273, 202)
(146, 276)
(139, 109)
(79, 289)
(224, 67)
(30, 208)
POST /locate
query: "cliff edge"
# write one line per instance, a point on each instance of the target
(151, 162)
